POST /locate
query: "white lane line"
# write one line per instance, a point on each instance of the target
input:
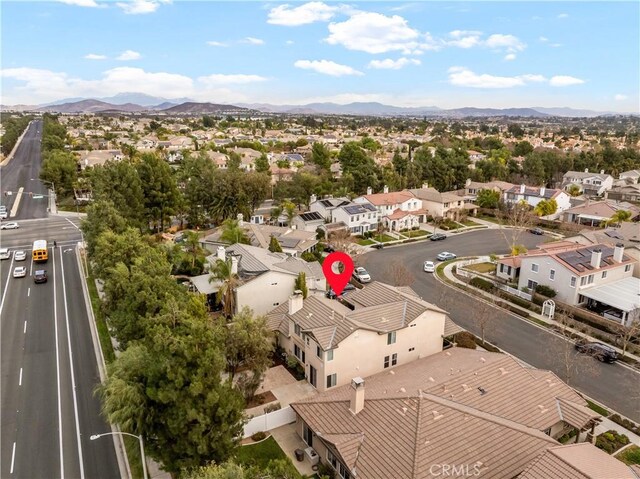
(16, 203)
(28, 292)
(20, 380)
(73, 378)
(6, 287)
(25, 327)
(74, 225)
(13, 457)
(55, 319)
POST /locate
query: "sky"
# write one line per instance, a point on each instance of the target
(444, 54)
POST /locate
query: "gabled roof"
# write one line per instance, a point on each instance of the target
(311, 216)
(431, 194)
(392, 198)
(603, 209)
(548, 193)
(576, 257)
(585, 174)
(254, 261)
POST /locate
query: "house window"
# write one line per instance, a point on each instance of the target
(319, 352)
(394, 359)
(332, 380)
(297, 351)
(552, 274)
(627, 268)
(296, 329)
(391, 337)
(338, 466)
(306, 338)
(590, 279)
(412, 349)
(548, 431)
(583, 281)
(573, 281)
(604, 274)
(330, 355)
(534, 267)
(386, 362)
(532, 284)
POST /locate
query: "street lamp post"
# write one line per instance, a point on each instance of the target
(144, 460)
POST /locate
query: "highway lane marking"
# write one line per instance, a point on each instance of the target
(73, 377)
(13, 458)
(16, 203)
(55, 320)
(20, 380)
(28, 293)
(6, 287)
(74, 225)
(24, 331)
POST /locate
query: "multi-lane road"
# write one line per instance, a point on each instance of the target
(49, 367)
(614, 385)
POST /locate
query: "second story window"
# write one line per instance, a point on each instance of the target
(534, 267)
(552, 274)
(627, 268)
(386, 362)
(296, 329)
(604, 274)
(319, 352)
(332, 380)
(391, 337)
(330, 355)
(573, 281)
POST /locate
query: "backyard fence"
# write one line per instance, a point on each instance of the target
(514, 291)
(270, 420)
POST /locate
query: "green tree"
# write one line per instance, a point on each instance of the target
(533, 169)
(488, 199)
(159, 188)
(290, 211)
(234, 161)
(546, 207)
(301, 284)
(223, 274)
(101, 216)
(321, 156)
(523, 148)
(60, 168)
(400, 163)
(198, 179)
(256, 188)
(248, 344)
(192, 247)
(274, 245)
(574, 190)
(262, 164)
(233, 233)
(229, 196)
(618, 217)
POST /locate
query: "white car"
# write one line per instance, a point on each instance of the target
(20, 272)
(361, 275)
(3, 214)
(429, 267)
(9, 226)
(20, 255)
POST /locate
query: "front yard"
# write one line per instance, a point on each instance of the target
(482, 267)
(260, 453)
(630, 455)
(414, 233)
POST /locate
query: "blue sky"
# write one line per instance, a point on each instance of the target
(453, 54)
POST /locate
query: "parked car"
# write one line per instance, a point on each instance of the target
(40, 276)
(5, 253)
(361, 275)
(378, 246)
(331, 294)
(9, 226)
(536, 231)
(19, 272)
(437, 237)
(445, 255)
(3, 214)
(429, 266)
(602, 352)
(20, 255)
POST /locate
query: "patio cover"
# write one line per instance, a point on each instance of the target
(202, 284)
(623, 294)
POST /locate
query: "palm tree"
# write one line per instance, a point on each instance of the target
(192, 246)
(574, 190)
(290, 210)
(223, 272)
(233, 233)
(617, 218)
(276, 211)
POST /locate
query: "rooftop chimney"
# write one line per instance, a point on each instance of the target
(234, 265)
(240, 220)
(385, 189)
(586, 170)
(357, 395)
(425, 185)
(296, 301)
(602, 172)
(542, 190)
(522, 188)
(221, 253)
(369, 190)
(468, 182)
(596, 258)
(313, 199)
(618, 253)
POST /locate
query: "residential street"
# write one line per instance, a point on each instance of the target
(611, 384)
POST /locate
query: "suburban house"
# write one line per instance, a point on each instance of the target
(472, 188)
(599, 277)
(592, 184)
(309, 221)
(266, 279)
(387, 327)
(326, 206)
(88, 159)
(443, 205)
(359, 218)
(593, 213)
(533, 196)
(397, 210)
(474, 157)
(624, 193)
(454, 407)
(293, 241)
(631, 176)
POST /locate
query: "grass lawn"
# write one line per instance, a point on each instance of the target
(365, 242)
(489, 218)
(414, 234)
(630, 456)
(598, 409)
(482, 267)
(469, 222)
(384, 238)
(259, 454)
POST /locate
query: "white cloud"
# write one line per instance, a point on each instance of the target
(326, 67)
(213, 43)
(252, 41)
(563, 15)
(464, 38)
(238, 79)
(620, 97)
(461, 76)
(81, 3)
(128, 55)
(376, 33)
(289, 42)
(543, 39)
(564, 80)
(94, 56)
(509, 42)
(304, 14)
(389, 64)
(140, 7)
(510, 57)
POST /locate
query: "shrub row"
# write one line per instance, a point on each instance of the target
(482, 284)
(630, 425)
(611, 441)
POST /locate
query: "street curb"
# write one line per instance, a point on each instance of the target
(118, 441)
(15, 147)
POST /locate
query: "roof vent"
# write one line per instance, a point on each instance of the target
(483, 360)
(437, 415)
(402, 390)
(392, 372)
(503, 371)
(431, 379)
(482, 391)
(466, 388)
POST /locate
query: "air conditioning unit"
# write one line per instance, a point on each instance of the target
(312, 455)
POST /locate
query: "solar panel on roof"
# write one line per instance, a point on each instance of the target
(326, 203)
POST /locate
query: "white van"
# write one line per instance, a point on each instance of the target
(4, 253)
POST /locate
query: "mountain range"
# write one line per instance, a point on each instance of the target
(139, 102)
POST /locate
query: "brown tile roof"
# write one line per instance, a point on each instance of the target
(450, 328)
(392, 198)
(575, 414)
(577, 461)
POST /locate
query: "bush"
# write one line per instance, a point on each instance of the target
(611, 441)
(272, 407)
(259, 436)
(546, 291)
(325, 470)
(465, 340)
(630, 425)
(482, 284)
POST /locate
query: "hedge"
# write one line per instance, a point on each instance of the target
(465, 340)
(545, 290)
(630, 425)
(482, 284)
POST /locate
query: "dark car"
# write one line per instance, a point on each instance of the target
(437, 237)
(600, 351)
(40, 276)
(332, 295)
(536, 231)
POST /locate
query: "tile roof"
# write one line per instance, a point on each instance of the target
(254, 261)
(431, 194)
(392, 198)
(603, 209)
(585, 174)
(311, 216)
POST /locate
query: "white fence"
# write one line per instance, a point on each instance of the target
(269, 421)
(514, 291)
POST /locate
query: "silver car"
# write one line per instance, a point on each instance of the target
(445, 256)
(20, 272)
(20, 255)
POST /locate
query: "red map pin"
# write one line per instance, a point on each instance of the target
(337, 281)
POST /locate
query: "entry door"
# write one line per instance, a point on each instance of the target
(307, 435)
(312, 376)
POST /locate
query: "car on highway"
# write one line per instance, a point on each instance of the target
(445, 256)
(19, 272)
(40, 276)
(5, 253)
(331, 294)
(361, 274)
(602, 352)
(9, 226)
(3, 214)
(20, 255)
(437, 237)
(429, 266)
(536, 231)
